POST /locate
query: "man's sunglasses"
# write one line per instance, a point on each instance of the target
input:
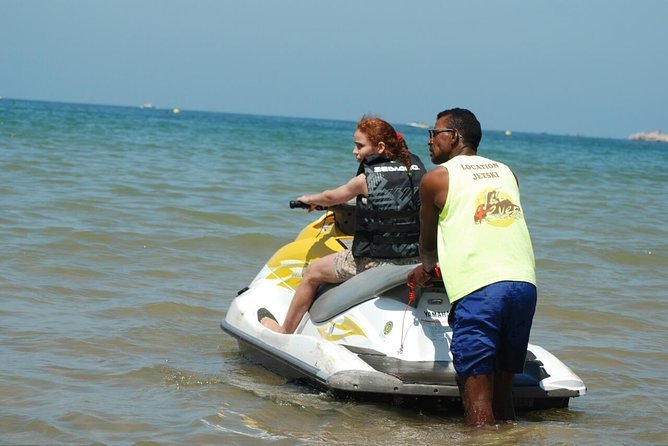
(434, 132)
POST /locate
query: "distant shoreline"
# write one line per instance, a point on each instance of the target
(657, 136)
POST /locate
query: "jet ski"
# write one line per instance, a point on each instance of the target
(373, 335)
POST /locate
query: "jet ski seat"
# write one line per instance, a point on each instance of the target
(335, 299)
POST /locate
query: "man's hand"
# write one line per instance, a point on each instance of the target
(420, 276)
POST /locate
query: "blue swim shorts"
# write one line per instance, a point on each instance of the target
(490, 328)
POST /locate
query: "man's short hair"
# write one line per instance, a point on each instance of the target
(465, 122)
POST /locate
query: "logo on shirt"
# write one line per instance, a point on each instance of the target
(495, 207)
(395, 168)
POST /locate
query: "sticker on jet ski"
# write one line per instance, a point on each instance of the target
(339, 330)
(288, 272)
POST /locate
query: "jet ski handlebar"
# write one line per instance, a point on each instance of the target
(298, 204)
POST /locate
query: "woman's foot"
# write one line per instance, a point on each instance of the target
(271, 324)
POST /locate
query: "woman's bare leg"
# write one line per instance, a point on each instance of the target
(321, 271)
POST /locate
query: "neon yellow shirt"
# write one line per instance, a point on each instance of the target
(482, 235)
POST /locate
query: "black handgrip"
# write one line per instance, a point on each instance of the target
(298, 204)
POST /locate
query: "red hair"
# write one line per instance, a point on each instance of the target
(378, 130)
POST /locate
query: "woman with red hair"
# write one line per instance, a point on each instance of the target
(387, 220)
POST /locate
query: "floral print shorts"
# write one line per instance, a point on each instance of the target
(348, 266)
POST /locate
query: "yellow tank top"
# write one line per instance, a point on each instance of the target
(482, 235)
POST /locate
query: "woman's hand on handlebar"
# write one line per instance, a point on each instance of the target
(304, 203)
(307, 204)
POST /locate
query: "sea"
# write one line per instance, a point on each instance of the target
(125, 233)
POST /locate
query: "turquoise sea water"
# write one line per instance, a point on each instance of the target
(125, 234)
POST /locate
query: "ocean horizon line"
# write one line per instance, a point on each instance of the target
(152, 107)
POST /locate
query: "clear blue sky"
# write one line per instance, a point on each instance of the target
(589, 67)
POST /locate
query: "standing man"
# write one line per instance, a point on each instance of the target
(472, 224)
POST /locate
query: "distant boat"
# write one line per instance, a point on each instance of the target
(419, 125)
(147, 106)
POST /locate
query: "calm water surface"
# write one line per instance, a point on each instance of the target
(125, 234)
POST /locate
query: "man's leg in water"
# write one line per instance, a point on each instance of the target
(503, 396)
(477, 400)
(321, 271)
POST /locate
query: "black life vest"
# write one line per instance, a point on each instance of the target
(387, 221)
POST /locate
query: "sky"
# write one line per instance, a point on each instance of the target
(574, 67)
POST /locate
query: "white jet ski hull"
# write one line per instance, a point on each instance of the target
(362, 339)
